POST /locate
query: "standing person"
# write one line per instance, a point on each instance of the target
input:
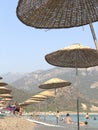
(95, 118)
(68, 119)
(57, 117)
(20, 110)
(87, 116)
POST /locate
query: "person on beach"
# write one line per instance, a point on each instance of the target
(57, 116)
(68, 119)
(16, 109)
(20, 110)
(87, 116)
(83, 123)
(95, 118)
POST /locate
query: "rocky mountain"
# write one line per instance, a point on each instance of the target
(86, 82)
(11, 77)
(86, 79)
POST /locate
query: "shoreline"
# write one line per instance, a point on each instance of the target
(21, 123)
(61, 113)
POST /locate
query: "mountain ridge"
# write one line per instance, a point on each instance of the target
(28, 84)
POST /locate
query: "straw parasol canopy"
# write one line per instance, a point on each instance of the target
(54, 83)
(74, 56)
(4, 90)
(31, 101)
(6, 95)
(3, 84)
(57, 13)
(7, 99)
(48, 93)
(25, 104)
(38, 97)
(28, 102)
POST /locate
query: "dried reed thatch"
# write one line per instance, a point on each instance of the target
(54, 83)
(38, 98)
(57, 13)
(3, 84)
(48, 93)
(74, 56)
(4, 90)
(6, 95)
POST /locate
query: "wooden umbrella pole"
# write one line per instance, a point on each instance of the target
(91, 26)
(94, 35)
(77, 99)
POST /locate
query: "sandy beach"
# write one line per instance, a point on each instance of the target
(15, 123)
(20, 123)
(45, 127)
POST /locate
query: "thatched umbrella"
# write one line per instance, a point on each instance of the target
(74, 56)
(4, 90)
(3, 84)
(53, 84)
(38, 99)
(58, 13)
(47, 93)
(25, 103)
(6, 96)
(7, 99)
(34, 100)
(38, 96)
(28, 102)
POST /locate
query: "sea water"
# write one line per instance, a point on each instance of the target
(52, 119)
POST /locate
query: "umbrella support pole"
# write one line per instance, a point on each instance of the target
(78, 113)
(78, 125)
(56, 108)
(94, 35)
(91, 26)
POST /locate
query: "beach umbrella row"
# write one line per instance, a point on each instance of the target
(55, 14)
(41, 96)
(3, 89)
(33, 99)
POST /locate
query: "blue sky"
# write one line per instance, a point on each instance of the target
(23, 48)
